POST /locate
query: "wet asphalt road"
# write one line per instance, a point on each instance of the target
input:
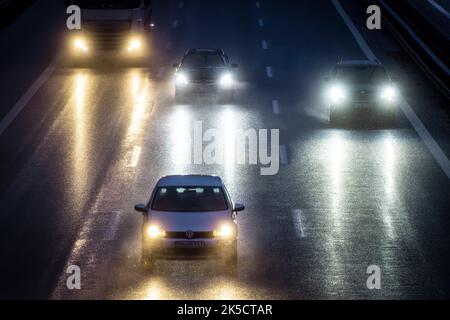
(93, 141)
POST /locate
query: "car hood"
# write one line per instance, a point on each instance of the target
(195, 221)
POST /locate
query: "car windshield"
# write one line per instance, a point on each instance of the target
(105, 4)
(361, 74)
(190, 199)
(203, 60)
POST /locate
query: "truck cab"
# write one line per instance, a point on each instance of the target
(116, 29)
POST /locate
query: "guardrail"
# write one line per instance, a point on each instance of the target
(428, 45)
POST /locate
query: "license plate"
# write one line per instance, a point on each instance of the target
(189, 244)
(361, 105)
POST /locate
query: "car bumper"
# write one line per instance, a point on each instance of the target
(199, 88)
(364, 109)
(186, 249)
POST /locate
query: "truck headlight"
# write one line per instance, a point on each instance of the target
(154, 231)
(226, 80)
(337, 94)
(389, 94)
(134, 44)
(181, 79)
(225, 231)
(80, 44)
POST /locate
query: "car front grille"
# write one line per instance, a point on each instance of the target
(106, 36)
(203, 81)
(363, 96)
(183, 235)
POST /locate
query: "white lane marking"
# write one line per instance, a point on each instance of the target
(160, 73)
(175, 23)
(275, 107)
(269, 72)
(180, 5)
(298, 225)
(264, 45)
(134, 158)
(416, 123)
(418, 40)
(261, 22)
(283, 155)
(438, 7)
(25, 99)
(112, 227)
(362, 43)
(426, 137)
(258, 4)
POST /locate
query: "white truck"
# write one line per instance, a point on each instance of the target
(116, 29)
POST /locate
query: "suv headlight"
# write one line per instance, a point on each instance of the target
(134, 44)
(181, 79)
(154, 231)
(337, 94)
(225, 231)
(389, 94)
(226, 80)
(80, 44)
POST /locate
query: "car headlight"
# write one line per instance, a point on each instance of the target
(80, 44)
(225, 231)
(337, 94)
(389, 94)
(154, 231)
(181, 79)
(226, 80)
(134, 44)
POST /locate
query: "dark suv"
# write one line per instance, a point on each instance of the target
(361, 89)
(205, 71)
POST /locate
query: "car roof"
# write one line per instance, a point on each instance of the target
(205, 50)
(355, 63)
(190, 181)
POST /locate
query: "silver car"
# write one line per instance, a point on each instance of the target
(189, 216)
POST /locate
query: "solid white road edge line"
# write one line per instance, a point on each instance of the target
(25, 99)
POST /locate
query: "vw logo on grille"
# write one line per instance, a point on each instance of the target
(189, 234)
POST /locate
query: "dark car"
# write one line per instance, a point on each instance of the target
(205, 71)
(361, 90)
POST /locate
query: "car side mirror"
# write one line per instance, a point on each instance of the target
(140, 208)
(238, 207)
(176, 65)
(234, 65)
